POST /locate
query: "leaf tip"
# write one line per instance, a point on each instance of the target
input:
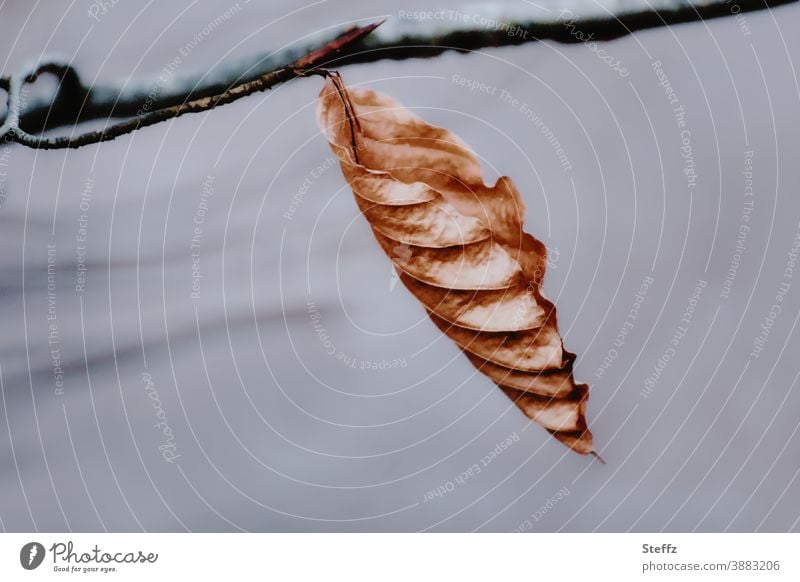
(597, 456)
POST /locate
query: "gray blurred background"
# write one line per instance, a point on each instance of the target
(292, 386)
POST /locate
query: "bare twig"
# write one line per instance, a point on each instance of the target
(75, 103)
(305, 65)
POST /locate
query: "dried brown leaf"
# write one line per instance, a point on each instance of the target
(460, 248)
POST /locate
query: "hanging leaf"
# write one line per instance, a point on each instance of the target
(460, 249)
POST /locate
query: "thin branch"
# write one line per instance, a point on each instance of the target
(564, 30)
(12, 132)
(74, 102)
